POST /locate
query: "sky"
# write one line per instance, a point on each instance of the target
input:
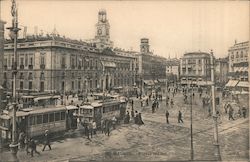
(173, 27)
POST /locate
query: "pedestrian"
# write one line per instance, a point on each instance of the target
(231, 111)
(140, 122)
(102, 125)
(244, 111)
(132, 113)
(141, 103)
(147, 101)
(153, 107)
(90, 129)
(132, 103)
(47, 140)
(27, 144)
(94, 126)
(114, 122)
(172, 103)
(86, 129)
(33, 147)
(107, 127)
(157, 104)
(136, 117)
(167, 115)
(21, 140)
(180, 117)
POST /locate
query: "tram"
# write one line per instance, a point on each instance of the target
(34, 121)
(102, 110)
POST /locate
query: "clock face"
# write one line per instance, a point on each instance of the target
(99, 31)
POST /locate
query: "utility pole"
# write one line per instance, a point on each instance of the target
(14, 36)
(216, 139)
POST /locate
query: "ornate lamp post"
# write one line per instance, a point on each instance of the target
(14, 36)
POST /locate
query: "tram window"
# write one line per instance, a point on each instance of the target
(32, 120)
(62, 115)
(39, 119)
(51, 117)
(45, 118)
(57, 116)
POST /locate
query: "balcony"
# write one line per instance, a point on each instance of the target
(22, 67)
(42, 66)
(30, 67)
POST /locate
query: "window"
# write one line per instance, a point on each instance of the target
(237, 55)
(45, 118)
(32, 120)
(26, 60)
(57, 116)
(31, 61)
(42, 60)
(21, 84)
(21, 61)
(63, 60)
(5, 61)
(62, 115)
(241, 54)
(5, 75)
(39, 119)
(72, 85)
(51, 117)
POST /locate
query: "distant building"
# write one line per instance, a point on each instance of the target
(238, 56)
(151, 68)
(238, 61)
(173, 69)
(195, 68)
(221, 71)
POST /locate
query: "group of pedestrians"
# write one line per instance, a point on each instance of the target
(30, 145)
(180, 120)
(135, 116)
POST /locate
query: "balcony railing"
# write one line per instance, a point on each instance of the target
(79, 67)
(30, 67)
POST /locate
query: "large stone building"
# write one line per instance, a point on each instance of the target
(195, 68)
(221, 71)
(56, 64)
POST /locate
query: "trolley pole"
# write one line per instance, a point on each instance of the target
(216, 139)
(14, 36)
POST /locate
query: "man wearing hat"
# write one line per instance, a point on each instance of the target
(47, 140)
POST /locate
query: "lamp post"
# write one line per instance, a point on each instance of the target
(191, 124)
(216, 139)
(14, 36)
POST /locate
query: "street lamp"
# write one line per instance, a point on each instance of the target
(14, 36)
(191, 123)
(216, 139)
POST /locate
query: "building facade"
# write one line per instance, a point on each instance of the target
(238, 56)
(173, 69)
(2, 23)
(221, 71)
(56, 64)
(195, 68)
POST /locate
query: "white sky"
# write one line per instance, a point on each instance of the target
(173, 28)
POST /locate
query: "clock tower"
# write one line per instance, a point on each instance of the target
(102, 26)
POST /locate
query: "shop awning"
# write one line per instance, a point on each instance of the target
(149, 82)
(243, 84)
(108, 64)
(231, 83)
